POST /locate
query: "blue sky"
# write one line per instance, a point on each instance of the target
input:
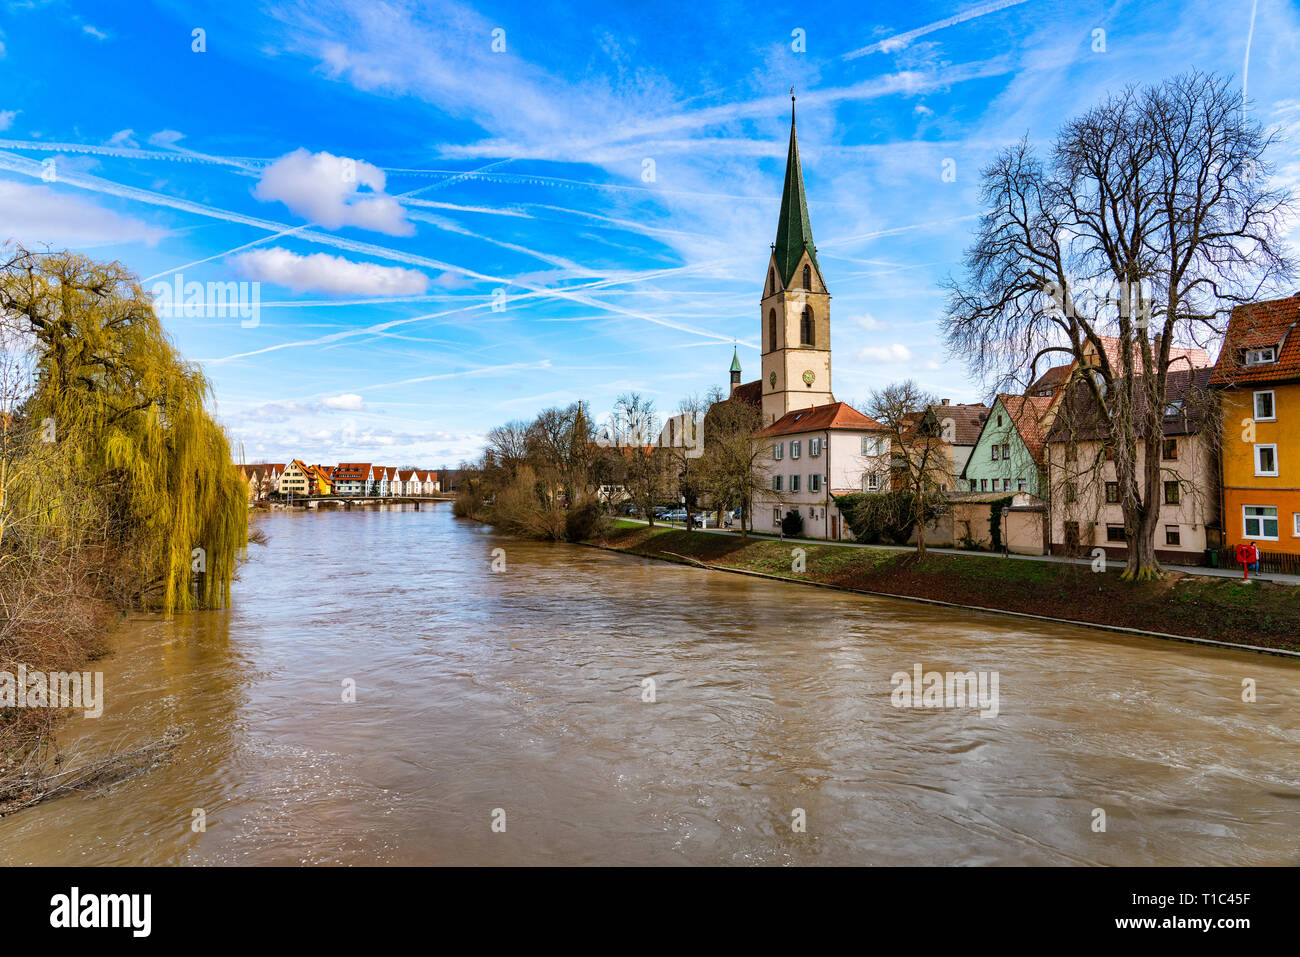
(610, 180)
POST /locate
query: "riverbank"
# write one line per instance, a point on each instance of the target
(1224, 610)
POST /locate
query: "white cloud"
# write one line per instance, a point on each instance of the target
(41, 214)
(349, 401)
(166, 138)
(7, 118)
(94, 32)
(891, 353)
(868, 321)
(332, 275)
(123, 138)
(326, 189)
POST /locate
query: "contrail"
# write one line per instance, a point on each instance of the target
(899, 40)
(1245, 68)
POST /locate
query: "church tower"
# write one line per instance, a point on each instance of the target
(796, 320)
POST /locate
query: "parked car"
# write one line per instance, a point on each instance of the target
(705, 521)
(676, 515)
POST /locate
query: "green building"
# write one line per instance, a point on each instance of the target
(1008, 455)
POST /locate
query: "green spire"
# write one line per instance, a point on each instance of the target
(793, 232)
(735, 360)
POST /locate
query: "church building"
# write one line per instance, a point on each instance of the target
(813, 447)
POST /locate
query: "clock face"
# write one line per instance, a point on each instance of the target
(772, 379)
(808, 377)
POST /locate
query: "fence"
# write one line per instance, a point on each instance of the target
(1279, 563)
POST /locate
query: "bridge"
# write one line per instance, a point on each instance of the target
(363, 501)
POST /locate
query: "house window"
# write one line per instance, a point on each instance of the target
(974, 485)
(1115, 533)
(1259, 521)
(1112, 493)
(794, 448)
(1071, 492)
(1171, 493)
(771, 282)
(1021, 485)
(870, 446)
(776, 483)
(794, 483)
(778, 451)
(1072, 535)
(1169, 449)
(1264, 406)
(999, 421)
(994, 452)
(1266, 460)
(771, 330)
(1110, 452)
(776, 517)
(1295, 520)
(870, 482)
(1006, 452)
(1173, 535)
(807, 277)
(814, 447)
(815, 482)
(1256, 357)
(806, 335)
(984, 485)
(1173, 408)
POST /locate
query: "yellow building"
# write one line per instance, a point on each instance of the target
(1258, 376)
(296, 479)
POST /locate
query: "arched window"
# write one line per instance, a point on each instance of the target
(771, 281)
(807, 277)
(771, 330)
(806, 336)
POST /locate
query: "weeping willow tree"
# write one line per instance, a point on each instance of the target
(119, 450)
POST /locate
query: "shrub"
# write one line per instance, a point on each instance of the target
(792, 524)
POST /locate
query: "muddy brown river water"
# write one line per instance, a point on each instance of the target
(518, 695)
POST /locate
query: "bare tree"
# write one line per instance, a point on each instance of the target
(733, 474)
(921, 459)
(630, 435)
(686, 468)
(1150, 219)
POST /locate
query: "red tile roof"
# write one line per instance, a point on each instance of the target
(1271, 323)
(352, 472)
(1181, 358)
(835, 415)
(1027, 413)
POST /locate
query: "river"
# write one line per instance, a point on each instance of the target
(515, 697)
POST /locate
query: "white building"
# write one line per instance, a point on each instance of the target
(813, 454)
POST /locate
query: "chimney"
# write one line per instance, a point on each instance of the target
(945, 401)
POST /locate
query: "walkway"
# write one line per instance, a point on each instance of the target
(1118, 566)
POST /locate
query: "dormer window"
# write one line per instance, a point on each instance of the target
(1173, 409)
(1259, 357)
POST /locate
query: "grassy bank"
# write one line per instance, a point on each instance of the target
(1192, 606)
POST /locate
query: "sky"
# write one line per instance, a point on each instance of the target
(460, 214)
